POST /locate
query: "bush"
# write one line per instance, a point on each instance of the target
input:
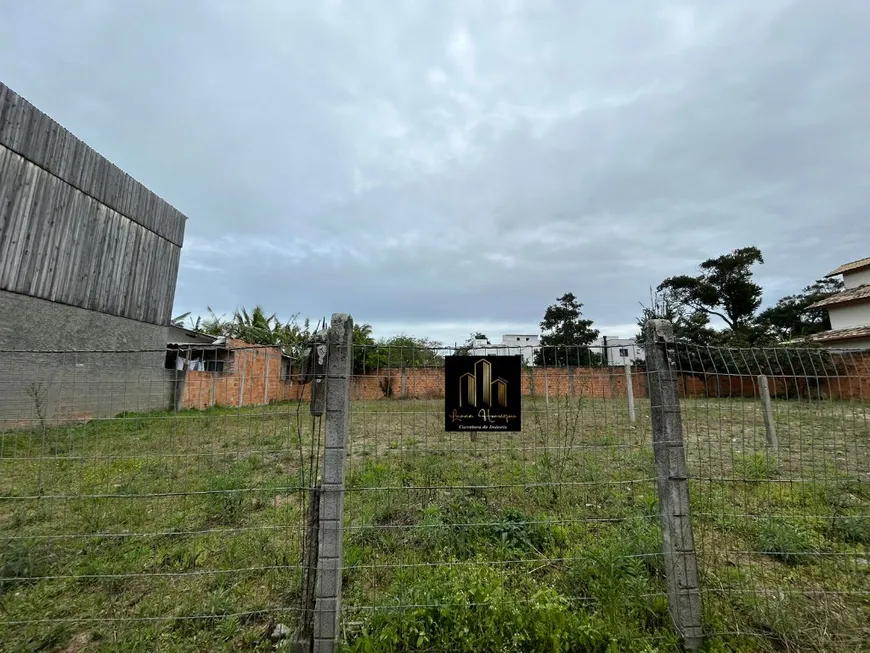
(621, 573)
(851, 528)
(226, 499)
(783, 540)
(467, 526)
(755, 467)
(469, 608)
(21, 563)
(386, 386)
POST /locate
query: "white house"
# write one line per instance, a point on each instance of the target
(525, 344)
(618, 351)
(849, 309)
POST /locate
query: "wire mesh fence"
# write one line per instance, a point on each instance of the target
(496, 540)
(161, 500)
(778, 448)
(149, 504)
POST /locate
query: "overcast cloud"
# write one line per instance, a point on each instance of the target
(441, 167)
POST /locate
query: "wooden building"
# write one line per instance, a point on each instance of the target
(88, 265)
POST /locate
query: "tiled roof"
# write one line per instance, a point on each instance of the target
(850, 295)
(842, 334)
(850, 267)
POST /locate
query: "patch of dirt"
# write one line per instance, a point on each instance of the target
(285, 499)
(82, 642)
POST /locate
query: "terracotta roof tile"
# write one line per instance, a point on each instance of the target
(850, 295)
(842, 334)
(850, 267)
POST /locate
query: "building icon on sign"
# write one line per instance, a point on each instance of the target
(479, 390)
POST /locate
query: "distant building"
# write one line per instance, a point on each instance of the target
(220, 371)
(849, 309)
(524, 344)
(618, 351)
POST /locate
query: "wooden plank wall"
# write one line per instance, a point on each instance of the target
(59, 244)
(75, 229)
(27, 131)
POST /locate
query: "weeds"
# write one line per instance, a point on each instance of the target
(546, 540)
(755, 467)
(36, 391)
(470, 610)
(852, 528)
(783, 540)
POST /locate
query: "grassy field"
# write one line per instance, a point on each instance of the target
(183, 531)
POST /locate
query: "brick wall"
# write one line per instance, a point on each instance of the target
(609, 383)
(428, 383)
(253, 379)
(852, 383)
(855, 383)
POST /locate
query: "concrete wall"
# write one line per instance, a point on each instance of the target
(857, 278)
(48, 349)
(844, 316)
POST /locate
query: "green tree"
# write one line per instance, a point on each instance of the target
(567, 335)
(254, 327)
(178, 320)
(213, 325)
(408, 351)
(365, 352)
(465, 348)
(707, 353)
(789, 318)
(724, 288)
(689, 326)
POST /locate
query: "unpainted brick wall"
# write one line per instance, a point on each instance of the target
(428, 383)
(254, 379)
(256, 375)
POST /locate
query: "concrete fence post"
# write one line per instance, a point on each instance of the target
(629, 389)
(329, 563)
(242, 378)
(546, 388)
(571, 389)
(267, 354)
(769, 424)
(678, 545)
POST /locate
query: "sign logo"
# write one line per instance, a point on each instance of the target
(483, 393)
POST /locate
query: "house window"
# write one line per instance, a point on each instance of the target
(171, 357)
(214, 366)
(527, 339)
(623, 352)
(518, 339)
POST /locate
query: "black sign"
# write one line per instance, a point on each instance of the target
(483, 393)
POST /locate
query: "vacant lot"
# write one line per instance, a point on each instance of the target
(183, 531)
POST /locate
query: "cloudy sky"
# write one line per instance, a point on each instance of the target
(441, 167)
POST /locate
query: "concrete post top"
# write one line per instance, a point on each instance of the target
(659, 331)
(341, 321)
